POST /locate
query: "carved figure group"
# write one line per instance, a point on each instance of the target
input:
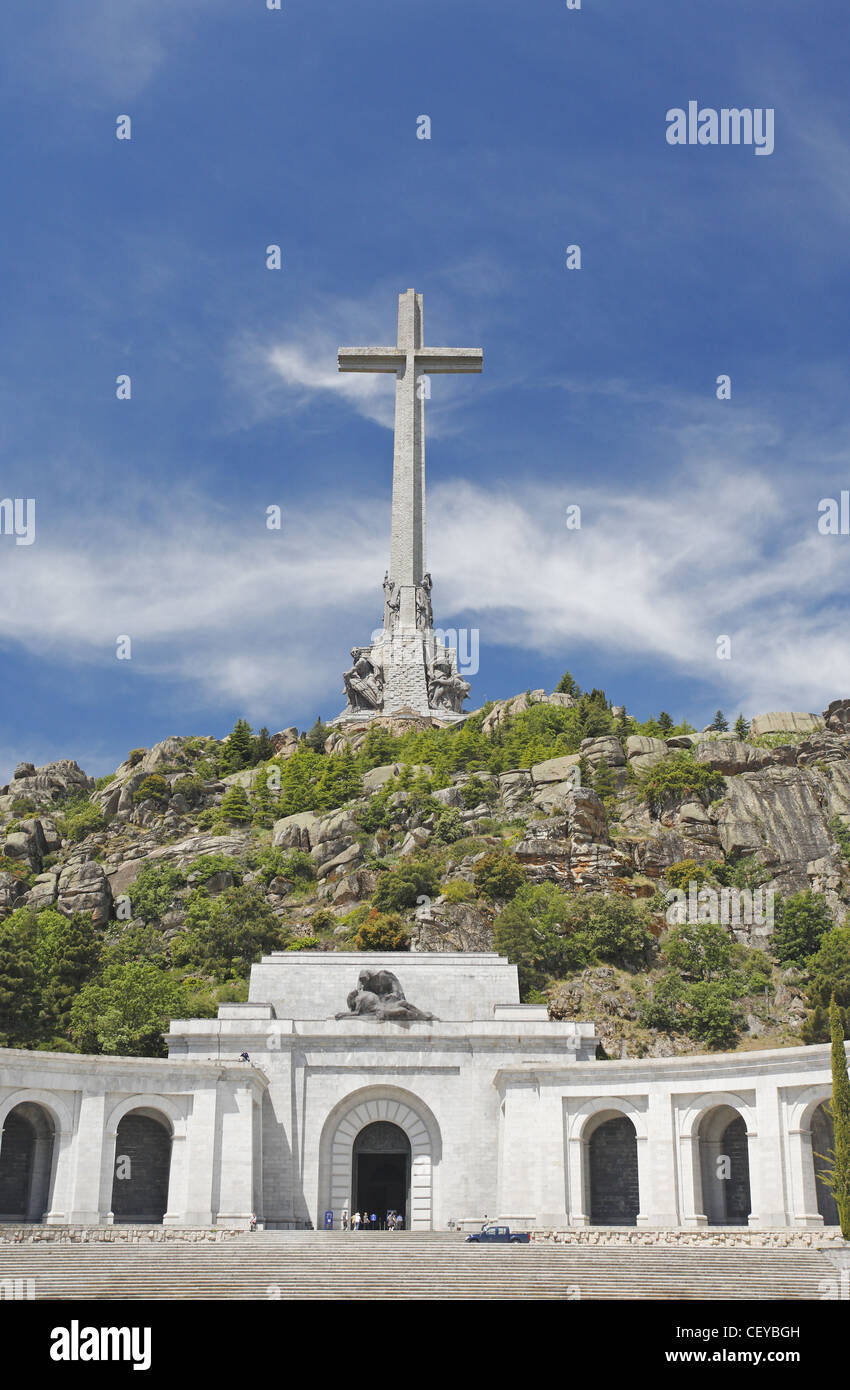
(379, 995)
(364, 682)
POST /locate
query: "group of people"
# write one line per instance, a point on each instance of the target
(363, 1221)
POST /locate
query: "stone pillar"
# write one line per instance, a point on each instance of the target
(236, 1185)
(518, 1193)
(94, 1160)
(802, 1186)
(657, 1167)
(578, 1177)
(693, 1215)
(767, 1189)
(190, 1186)
(63, 1181)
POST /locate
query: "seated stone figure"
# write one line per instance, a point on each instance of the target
(379, 995)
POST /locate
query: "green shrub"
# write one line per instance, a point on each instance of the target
(549, 934)
(686, 871)
(274, 862)
(677, 777)
(801, 923)
(381, 931)
(84, 819)
(191, 788)
(206, 866)
(154, 890)
(449, 827)
(498, 876)
(135, 756)
(18, 868)
(23, 806)
(457, 890)
(402, 886)
(153, 788)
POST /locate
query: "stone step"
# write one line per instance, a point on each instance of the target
(255, 1268)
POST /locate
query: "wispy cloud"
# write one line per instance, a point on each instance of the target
(239, 614)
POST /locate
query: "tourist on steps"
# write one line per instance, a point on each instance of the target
(355, 1221)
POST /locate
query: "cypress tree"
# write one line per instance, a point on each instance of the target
(838, 1177)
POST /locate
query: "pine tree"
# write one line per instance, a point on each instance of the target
(665, 723)
(263, 746)
(239, 750)
(235, 805)
(838, 1175)
(567, 686)
(742, 726)
(18, 987)
(720, 723)
(603, 780)
(317, 735)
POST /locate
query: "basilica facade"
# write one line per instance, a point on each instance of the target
(417, 1083)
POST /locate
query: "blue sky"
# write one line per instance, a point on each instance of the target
(298, 127)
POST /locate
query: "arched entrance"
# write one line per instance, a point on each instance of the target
(26, 1163)
(142, 1168)
(613, 1168)
(725, 1167)
(381, 1171)
(823, 1143)
(393, 1108)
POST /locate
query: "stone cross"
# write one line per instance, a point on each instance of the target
(410, 361)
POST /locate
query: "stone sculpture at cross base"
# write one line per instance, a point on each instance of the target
(407, 670)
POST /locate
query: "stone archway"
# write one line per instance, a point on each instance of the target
(725, 1167)
(823, 1142)
(356, 1113)
(612, 1161)
(142, 1167)
(27, 1148)
(381, 1163)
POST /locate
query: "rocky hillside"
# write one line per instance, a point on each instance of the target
(199, 853)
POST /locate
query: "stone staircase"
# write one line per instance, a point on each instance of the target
(433, 1265)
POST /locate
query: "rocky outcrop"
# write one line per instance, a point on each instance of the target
(786, 722)
(46, 785)
(453, 927)
(84, 887)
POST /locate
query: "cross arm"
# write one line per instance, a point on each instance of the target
(435, 360)
(370, 359)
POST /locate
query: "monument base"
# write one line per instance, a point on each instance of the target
(405, 672)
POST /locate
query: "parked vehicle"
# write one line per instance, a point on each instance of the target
(492, 1234)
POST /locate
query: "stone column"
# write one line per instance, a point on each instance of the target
(518, 1193)
(657, 1166)
(190, 1187)
(692, 1210)
(802, 1187)
(767, 1189)
(94, 1159)
(236, 1186)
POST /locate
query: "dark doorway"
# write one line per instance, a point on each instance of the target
(614, 1193)
(382, 1171)
(142, 1169)
(26, 1163)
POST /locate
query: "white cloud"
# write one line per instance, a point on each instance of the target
(245, 616)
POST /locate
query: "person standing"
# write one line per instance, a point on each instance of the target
(355, 1221)
(373, 1221)
(345, 1218)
